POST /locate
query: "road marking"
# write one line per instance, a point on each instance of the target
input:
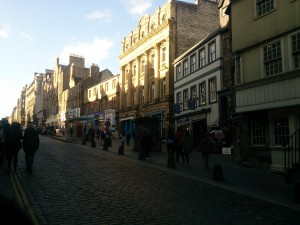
(22, 197)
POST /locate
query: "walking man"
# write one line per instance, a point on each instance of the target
(31, 142)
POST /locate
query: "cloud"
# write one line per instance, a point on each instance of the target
(27, 36)
(104, 15)
(93, 52)
(5, 29)
(137, 7)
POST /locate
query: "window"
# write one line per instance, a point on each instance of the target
(258, 132)
(152, 61)
(281, 129)
(193, 92)
(94, 91)
(296, 50)
(106, 86)
(90, 93)
(143, 66)
(202, 93)
(185, 68)
(133, 73)
(178, 72)
(272, 59)
(163, 55)
(202, 58)
(238, 70)
(193, 63)
(185, 99)
(164, 88)
(212, 90)
(264, 6)
(114, 84)
(143, 96)
(212, 52)
(178, 97)
(153, 92)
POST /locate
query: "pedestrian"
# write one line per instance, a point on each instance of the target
(13, 144)
(170, 141)
(122, 143)
(127, 138)
(4, 128)
(206, 147)
(1, 145)
(146, 143)
(178, 145)
(98, 133)
(102, 136)
(31, 142)
(187, 143)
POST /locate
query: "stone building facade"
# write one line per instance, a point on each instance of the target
(147, 55)
(267, 69)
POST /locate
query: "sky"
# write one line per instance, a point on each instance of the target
(33, 33)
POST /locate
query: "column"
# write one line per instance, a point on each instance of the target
(137, 88)
(121, 91)
(146, 78)
(129, 86)
(168, 65)
(156, 72)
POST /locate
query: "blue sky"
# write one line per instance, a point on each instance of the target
(34, 32)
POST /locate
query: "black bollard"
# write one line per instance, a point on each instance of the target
(171, 161)
(142, 155)
(105, 145)
(121, 150)
(218, 173)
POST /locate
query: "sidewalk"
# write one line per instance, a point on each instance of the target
(257, 183)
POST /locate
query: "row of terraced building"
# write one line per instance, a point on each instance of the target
(228, 67)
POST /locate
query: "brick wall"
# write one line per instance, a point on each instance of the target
(193, 23)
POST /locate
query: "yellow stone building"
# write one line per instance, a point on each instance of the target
(147, 55)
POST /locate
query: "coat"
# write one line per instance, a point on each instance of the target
(13, 141)
(187, 144)
(31, 140)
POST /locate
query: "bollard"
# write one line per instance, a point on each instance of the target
(121, 150)
(218, 173)
(93, 144)
(171, 161)
(142, 155)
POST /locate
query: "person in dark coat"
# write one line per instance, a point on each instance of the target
(146, 143)
(170, 141)
(206, 147)
(13, 144)
(127, 138)
(178, 142)
(31, 142)
(187, 147)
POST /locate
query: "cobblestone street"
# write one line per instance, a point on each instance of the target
(76, 184)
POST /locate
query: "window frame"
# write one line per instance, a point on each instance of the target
(271, 59)
(185, 98)
(202, 58)
(263, 7)
(212, 54)
(212, 92)
(185, 67)
(258, 132)
(202, 95)
(193, 63)
(178, 72)
(295, 50)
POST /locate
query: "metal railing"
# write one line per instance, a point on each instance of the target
(292, 155)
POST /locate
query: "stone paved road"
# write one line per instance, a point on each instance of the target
(75, 184)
